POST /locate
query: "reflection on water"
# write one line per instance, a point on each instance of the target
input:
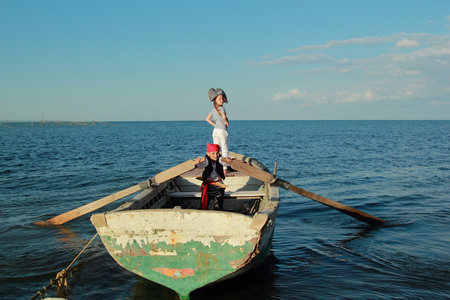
(67, 236)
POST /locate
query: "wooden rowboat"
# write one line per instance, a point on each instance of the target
(161, 234)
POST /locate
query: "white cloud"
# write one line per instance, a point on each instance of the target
(300, 59)
(363, 92)
(291, 94)
(348, 42)
(390, 75)
(407, 43)
(364, 41)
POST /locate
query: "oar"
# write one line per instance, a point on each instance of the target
(267, 177)
(157, 179)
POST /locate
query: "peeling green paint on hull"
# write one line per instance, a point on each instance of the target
(194, 266)
(192, 250)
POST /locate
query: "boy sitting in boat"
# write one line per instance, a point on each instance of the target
(213, 189)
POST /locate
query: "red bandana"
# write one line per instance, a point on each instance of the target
(212, 147)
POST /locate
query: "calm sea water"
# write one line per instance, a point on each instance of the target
(396, 170)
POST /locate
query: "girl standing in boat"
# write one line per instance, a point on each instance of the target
(213, 189)
(218, 118)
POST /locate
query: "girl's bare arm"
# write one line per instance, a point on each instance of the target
(224, 116)
(208, 119)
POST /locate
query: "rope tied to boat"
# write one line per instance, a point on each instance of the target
(61, 278)
(82, 251)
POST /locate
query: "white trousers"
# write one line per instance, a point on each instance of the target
(220, 137)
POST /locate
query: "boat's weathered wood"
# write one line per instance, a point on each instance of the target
(150, 196)
(159, 178)
(184, 248)
(259, 221)
(181, 249)
(247, 194)
(267, 177)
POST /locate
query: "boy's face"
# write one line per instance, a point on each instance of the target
(213, 155)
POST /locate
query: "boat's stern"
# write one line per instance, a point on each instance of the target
(181, 249)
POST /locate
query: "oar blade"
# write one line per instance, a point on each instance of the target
(353, 212)
(82, 210)
(159, 178)
(267, 177)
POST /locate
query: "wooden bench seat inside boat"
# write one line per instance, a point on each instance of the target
(237, 195)
(244, 202)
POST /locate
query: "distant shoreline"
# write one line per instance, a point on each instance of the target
(43, 123)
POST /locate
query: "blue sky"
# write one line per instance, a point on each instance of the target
(276, 60)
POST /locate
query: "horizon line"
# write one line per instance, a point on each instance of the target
(246, 120)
